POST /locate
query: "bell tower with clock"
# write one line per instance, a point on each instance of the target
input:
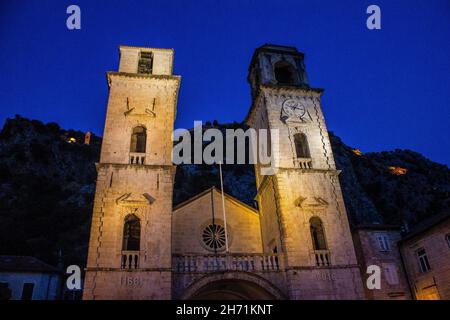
(130, 244)
(303, 217)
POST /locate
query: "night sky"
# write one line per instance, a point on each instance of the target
(384, 89)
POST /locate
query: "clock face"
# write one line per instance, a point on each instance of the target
(293, 108)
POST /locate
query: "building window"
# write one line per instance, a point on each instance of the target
(447, 237)
(256, 204)
(317, 234)
(131, 233)
(429, 293)
(285, 73)
(213, 236)
(390, 273)
(5, 291)
(145, 63)
(27, 291)
(383, 242)
(138, 140)
(301, 145)
(423, 260)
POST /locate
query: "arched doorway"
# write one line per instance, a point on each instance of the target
(232, 286)
(231, 290)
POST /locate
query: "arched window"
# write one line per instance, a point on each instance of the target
(138, 140)
(131, 233)
(145, 63)
(301, 145)
(285, 73)
(317, 234)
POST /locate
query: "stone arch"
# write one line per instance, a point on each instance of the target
(235, 285)
(285, 73)
(131, 235)
(138, 142)
(301, 145)
(317, 231)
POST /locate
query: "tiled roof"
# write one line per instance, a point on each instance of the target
(25, 263)
(376, 226)
(427, 224)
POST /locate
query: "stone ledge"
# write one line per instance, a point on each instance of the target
(96, 269)
(295, 268)
(141, 76)
(98, 165)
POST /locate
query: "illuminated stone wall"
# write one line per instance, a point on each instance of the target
(435, 283)
(162, 59)
(303, 187)
(369, 251)
(144, 189)
(190, 219)
(270, 228)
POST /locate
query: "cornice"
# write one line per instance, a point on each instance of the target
(333, 172)
(128, 271)
(331, 267)
(100, 165)
(110, 74)
(317, 92)
(146, 48)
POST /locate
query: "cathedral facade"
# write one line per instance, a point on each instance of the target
(297, 244)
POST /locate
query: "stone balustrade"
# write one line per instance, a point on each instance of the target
(137, 158)
(303, 163)
(225, 262)
(130, 260)
(322, 257)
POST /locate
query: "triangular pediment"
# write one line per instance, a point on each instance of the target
(140, 108)
(135, 199)
(139, 112)
(217, 192)
(311, 202)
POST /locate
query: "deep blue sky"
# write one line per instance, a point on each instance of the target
(383, 89)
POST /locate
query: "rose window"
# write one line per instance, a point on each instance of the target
(214, 236)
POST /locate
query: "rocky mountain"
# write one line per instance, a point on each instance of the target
(399, 187)
(47, 185)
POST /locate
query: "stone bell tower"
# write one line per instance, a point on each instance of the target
(130, 243)
(303, 217)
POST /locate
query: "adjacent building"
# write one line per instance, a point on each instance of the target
(426, 253)
(377, 245)
(28, 278)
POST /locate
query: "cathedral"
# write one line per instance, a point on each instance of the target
(297, 243)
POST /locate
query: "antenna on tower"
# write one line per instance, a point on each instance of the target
(223, 208)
